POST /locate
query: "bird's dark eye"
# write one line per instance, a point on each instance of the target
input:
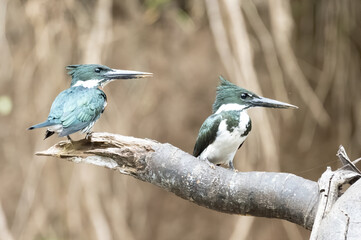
(244, 95)
(97, 70)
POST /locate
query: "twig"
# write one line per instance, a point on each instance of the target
(346, 162)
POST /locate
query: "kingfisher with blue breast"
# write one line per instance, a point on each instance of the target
(80, 106)
(224, 132)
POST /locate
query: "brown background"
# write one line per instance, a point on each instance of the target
(303, 52)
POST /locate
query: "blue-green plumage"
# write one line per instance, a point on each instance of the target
(80, 106)
(224, 132)
(77, 109)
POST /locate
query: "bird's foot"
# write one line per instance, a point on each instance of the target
(71, 140)
(88, 136)
(212, 165)
(231, 166)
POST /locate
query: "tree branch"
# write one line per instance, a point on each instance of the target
(263, 194)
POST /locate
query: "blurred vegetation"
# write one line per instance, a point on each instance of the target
(306, 53)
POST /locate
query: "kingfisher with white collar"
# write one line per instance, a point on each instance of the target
(80, 106)
(224, 132)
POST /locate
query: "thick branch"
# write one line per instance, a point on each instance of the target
(264, 194)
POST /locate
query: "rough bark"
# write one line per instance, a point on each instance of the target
(339, 214)
(264, 194)
(343, 220)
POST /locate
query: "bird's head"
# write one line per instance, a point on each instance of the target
(94, 75)
(230, 96)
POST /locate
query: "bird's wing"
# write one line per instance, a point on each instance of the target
(57, 108)
(76, 108)
(207, 134)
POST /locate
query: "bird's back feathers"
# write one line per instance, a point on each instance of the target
(75, 109)
(207, 133)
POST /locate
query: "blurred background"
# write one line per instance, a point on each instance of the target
(306, 53)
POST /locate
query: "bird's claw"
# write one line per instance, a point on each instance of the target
(212, 165)
(71, 140)
(231, 166)
(88, 136)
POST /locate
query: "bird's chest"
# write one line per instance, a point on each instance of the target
(232, 132)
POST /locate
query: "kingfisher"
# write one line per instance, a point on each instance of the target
(80, 106)
(224, 132)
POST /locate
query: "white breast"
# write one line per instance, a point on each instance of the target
(223, 149)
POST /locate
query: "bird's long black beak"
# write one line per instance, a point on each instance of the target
(270, 103)
(126, 74)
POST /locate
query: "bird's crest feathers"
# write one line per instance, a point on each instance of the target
(225, 83)
(85, 72)
(72, 69)
(228, 93)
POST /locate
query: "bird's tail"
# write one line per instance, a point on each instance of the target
(40, 125)
(48, 134)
